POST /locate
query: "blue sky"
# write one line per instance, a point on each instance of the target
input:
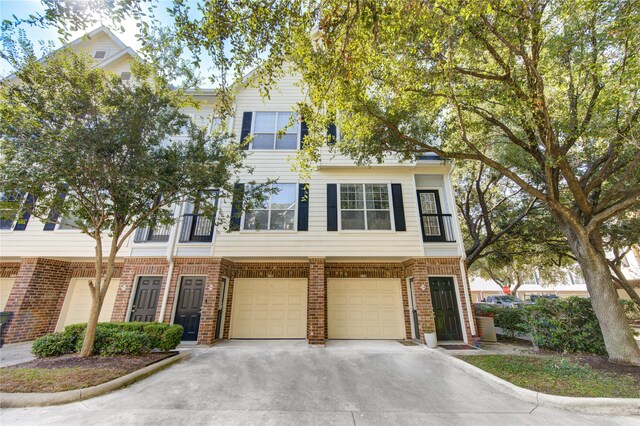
(23, 8)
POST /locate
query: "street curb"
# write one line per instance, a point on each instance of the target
(617, 406)
(16, 400)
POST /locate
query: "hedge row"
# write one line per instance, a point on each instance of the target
(563, 325)
(112, 338)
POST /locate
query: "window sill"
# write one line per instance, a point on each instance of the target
(266, 231)
(366, 231)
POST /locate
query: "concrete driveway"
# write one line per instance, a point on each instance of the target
(286, 382)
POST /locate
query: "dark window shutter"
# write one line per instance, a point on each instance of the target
(236, 206)
(246, 127)
(303, 207)
(332, 131)
(304, 131)
(53, 216)
(398, 207)
(21, 224)
(332, 207)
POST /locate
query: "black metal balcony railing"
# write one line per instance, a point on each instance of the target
(437, 228)
(196, 228)
(157, 234)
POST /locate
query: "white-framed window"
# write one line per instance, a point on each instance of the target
(365, 206)
(8, 218)
(99, 54)
(125, 76)
(67, 222)
(271, 130)
(277, 212)
(203, 121)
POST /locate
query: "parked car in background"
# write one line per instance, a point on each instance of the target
(506, 300)
(535, 297)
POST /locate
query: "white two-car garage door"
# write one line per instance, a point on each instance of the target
(269, 308)
(77, 303)
(365, 308)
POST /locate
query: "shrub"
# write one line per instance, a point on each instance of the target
(484, 309)
(510, 320)
(109, 339)
(122, 342)
(53, 345)
(631, 310)
(171, 337)
(564, 325)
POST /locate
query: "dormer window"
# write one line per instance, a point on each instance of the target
(99, 54)
(125, 76)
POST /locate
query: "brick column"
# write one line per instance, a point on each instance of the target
(316, 300)
(209, 312)
(420, 273)
(36, 298)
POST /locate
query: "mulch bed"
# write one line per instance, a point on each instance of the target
(57, 374)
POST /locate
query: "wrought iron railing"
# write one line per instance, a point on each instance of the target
(196, 228)
(437, 228)
(156, 234)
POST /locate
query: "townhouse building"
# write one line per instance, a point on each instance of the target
(353, 252)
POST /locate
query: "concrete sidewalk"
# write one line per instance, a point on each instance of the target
(15, 353)
(286, 382)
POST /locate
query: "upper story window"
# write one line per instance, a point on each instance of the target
(8, 218)
(277, 213)
(99, 54)
(125, 76)
(272, 130)
(365, 207)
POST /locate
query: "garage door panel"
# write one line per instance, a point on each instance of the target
(77, 303)
(269, 308)
(365, 309)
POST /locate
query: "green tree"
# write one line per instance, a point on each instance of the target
(544, 92)
(491, 207)
(69, 128)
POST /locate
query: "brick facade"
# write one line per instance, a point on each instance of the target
(131, 269)
(421, 269)
(41, 285)
(38, 293)
(316, 302)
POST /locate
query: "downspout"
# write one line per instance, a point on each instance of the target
(171, 251)
(463, 269)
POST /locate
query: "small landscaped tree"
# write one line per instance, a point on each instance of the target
(98, 152)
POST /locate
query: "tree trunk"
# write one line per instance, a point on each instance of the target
(90, 333)
(618, 338)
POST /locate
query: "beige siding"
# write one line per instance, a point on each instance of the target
(6, 284)
(318, 241)
(77, 303)
(34, 242)
(99, 42)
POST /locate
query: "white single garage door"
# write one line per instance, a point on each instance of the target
(269, 308)
(6, 284)
(77, 303)
(365, 308)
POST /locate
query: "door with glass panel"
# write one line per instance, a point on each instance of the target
(432, 219)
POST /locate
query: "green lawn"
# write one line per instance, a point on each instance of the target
(558, 375)
(54, 379)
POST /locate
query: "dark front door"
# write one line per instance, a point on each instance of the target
(189, 306)
(445, 308)
(145, 301)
